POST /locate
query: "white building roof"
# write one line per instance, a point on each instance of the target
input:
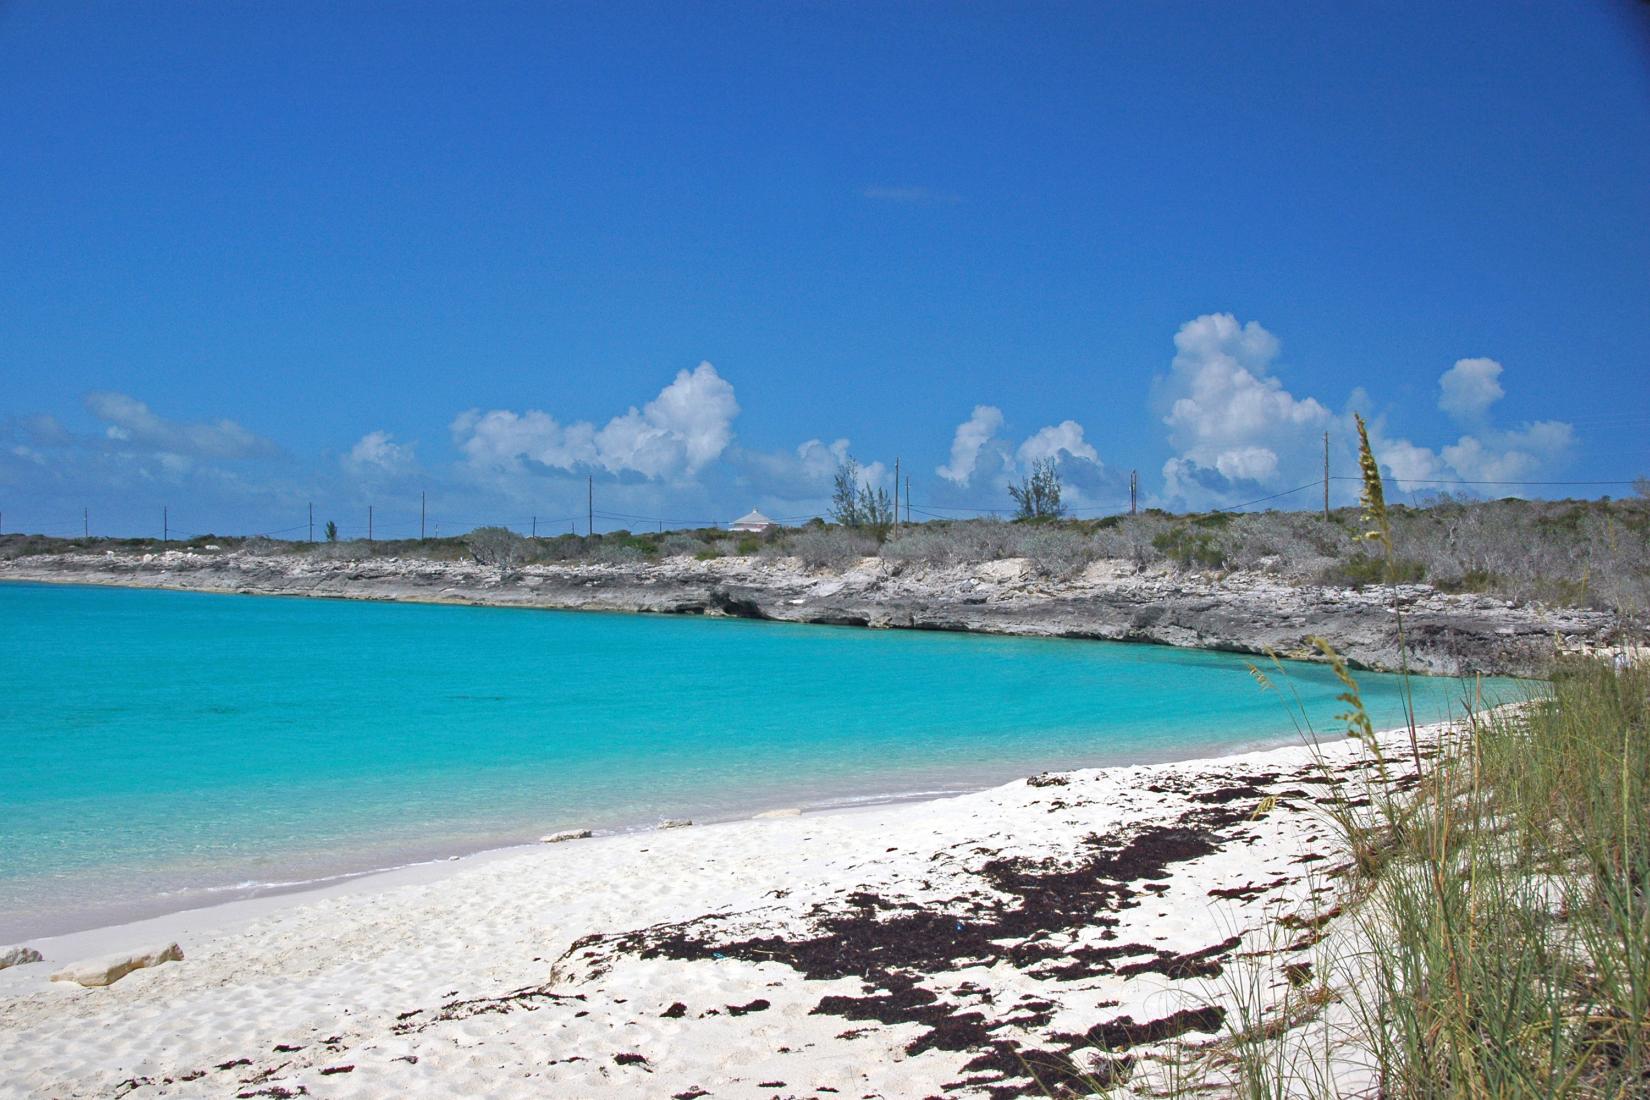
(752, 519)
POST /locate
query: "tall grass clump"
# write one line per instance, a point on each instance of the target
(1501, 891)
(1506, 936)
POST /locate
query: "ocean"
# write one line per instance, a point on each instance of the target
(165, 750)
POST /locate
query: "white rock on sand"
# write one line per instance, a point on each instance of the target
(109, 969)
(919, 949)
(565, 835)
(18, 956)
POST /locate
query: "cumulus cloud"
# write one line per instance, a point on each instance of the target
(971, 437)
(802, 475)
(1467, 390)
(819, 460)
(1405, 461)
(687, 426)
(130, 422)
(1064, 438)
(983, 458)
(1229, 415)
(1240, 432)
(1510, 455)
(377, 453)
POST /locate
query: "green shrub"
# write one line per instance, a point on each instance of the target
(1362, 569)
(1189, 549)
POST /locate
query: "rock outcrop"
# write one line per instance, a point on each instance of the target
(1113, 600)
(18, 956)
(565, 835)
(109, 969)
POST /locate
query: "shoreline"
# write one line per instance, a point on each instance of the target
(440, 859)
(653, 964)
(1111, 600)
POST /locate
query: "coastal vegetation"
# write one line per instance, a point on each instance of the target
(857, 506)
(1496, 940)
(1583, 553)
(1493, 937)
(1037, 496)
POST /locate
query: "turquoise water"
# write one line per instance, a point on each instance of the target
(162, 749)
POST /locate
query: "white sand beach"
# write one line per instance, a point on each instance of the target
(949, 948)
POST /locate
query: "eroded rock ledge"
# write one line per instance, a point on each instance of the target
(1113, 600)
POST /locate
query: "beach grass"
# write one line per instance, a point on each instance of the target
(1496, 937)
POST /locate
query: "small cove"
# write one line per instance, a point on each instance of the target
(167, 750)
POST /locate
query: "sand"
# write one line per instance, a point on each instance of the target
(938, 948)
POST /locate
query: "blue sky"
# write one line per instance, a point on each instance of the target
(260, 255)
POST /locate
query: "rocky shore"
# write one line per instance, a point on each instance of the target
(1244, 612)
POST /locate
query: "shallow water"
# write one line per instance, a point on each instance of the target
(164, 749)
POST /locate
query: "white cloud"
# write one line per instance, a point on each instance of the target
(878, 193)
(1229, 416)
(1239, 432)
(130, 421)
(1405, 461)
(983, 459)
(1526, 452)
(1258, 464)
(1065, 437)
(971, 437)
(687, 426)
(799, 475)
(819, 460)
(1224, 397)
(1467, 390)
(1489, 453)
(378, 453)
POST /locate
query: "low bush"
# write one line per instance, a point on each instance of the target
(830, 547)
(619, 552)
(1054, 551)
(946, 542)
(1190, 549)
(498, 546)
(1362, 569)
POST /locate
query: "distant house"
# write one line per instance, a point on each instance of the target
(751, 521)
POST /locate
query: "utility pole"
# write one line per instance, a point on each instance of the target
(908, 500)
(1326, 477)
(535, 527)
(590, 506)
(165, 525)
(1134, 491)
(312, 521)
(896, 494)
(369, 523)
(421, 515)
(86, 522)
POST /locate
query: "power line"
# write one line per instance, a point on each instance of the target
(1274, 496)
(1449, 481)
